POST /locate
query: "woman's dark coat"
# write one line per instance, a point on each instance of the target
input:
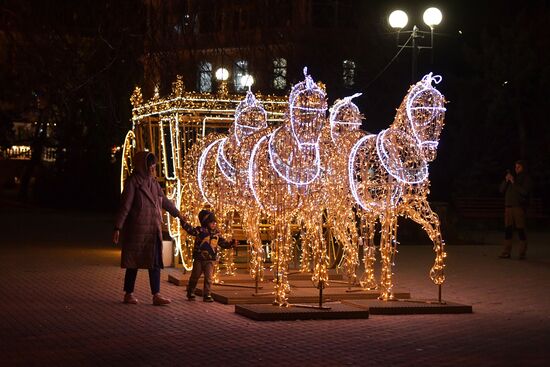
(140, 217)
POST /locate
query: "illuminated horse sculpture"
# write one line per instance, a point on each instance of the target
(337, 142)
(338, 204)
(210, 167)
(388, 174)
(283, 168)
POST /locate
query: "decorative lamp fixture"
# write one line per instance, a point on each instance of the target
(432, 17)
(246, 81)
(398, 19)
(222, 74)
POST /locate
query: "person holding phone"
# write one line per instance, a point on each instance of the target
(516, 189)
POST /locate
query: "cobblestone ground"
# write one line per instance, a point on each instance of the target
(61, 306)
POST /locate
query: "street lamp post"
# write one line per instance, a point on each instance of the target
(398, 19)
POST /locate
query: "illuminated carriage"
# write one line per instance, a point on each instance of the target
(379, 177)
(170, 126)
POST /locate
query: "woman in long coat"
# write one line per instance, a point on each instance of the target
(138, 226)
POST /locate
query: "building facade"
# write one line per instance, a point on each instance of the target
(268, 40)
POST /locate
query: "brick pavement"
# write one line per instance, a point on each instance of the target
(61, 292)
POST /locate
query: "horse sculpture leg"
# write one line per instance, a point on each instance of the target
(251, 226)
(345, 231)
(421, 212)
(368, 224)
(388, 251)
(228, 255)
(305, 253)
(282, 244)
(317, 242)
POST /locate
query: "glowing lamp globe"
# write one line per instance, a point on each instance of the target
(398, 19)
(432, 17)
(247, 80)
(222, 74)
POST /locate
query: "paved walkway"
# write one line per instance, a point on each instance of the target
(61, 289)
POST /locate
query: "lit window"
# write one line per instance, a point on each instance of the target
(348, 74)
(279, 73)
(240, 69)
(205, 76)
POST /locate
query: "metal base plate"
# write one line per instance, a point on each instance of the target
(408, 306)
(276, 313)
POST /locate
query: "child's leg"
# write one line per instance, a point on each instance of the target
(208, 267)
(194, 278)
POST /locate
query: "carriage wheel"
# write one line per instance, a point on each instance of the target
(128, 150)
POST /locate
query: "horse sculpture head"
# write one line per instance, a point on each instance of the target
(406, 148)
(307, 111)
(425, 109)
(344, 117)
(250, 117)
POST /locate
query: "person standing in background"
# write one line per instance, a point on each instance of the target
(516, 190)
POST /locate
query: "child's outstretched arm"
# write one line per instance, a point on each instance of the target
(189, 228)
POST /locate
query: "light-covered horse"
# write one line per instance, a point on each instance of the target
(283, 167)
(211, 176)
(337, 140)
(388, 174)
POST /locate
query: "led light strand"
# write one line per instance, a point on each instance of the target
(249, 103)
(224, 165)
(351, 171)
(251, 172)
(127, 154)
(308, 87)
(200, 168)
(345, 104)
(287, 175)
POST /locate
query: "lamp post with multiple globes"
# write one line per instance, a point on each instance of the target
(398, 20)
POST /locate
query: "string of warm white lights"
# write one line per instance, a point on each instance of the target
(294, 175)
(224, 165)
(128, 150)
(368, 280)
(172, 181)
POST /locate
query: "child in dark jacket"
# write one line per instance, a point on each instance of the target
(205, 252)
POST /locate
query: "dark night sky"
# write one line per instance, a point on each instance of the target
(493, 56)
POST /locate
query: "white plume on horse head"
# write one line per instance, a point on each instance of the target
(425, 111)
(307, 111)
(250, 117)
(344, 116)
